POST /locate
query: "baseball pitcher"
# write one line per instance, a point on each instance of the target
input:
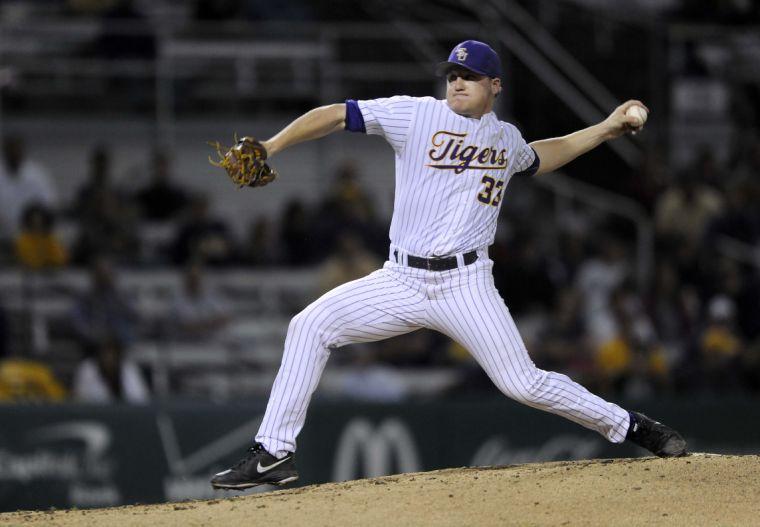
(454, 159)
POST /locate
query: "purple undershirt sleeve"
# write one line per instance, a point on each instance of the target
(354, 118)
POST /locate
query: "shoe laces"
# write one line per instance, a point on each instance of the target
(251, 452)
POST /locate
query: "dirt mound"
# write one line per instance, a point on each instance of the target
(702, 489)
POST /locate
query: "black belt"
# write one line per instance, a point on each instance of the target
(437, 264)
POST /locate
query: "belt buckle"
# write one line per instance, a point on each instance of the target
(430, 262)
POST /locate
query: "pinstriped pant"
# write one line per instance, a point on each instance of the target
(463, 304)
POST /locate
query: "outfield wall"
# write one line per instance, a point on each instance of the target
(89, 456)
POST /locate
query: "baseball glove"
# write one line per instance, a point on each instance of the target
(245, 163)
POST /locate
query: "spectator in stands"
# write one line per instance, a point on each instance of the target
(107, 222)
(632, 361)
(103, 314)
(24, 381)
(720, 347)
(673, 306)
(22, 182)
(197, 314)
(684, 210)
(260, 248)
(348, 207)
(742, 287)
(97, 183)
(161, 200)
(347, 189)
(37, 246)
(108, 376)
(203, 238)
(352, 260)
(111, 229)
(597, 278)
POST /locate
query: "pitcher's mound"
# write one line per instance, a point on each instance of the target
(702, 489)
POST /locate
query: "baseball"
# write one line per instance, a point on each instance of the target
(639, 113)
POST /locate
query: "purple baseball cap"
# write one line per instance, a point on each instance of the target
(475, 56)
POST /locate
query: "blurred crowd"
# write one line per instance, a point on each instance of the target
(163, 223)
(160, 225)
(571, 276)
(692, 326)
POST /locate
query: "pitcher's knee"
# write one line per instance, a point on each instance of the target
(307, 327)
(526, 388)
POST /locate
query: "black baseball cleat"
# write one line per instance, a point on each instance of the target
(258, 467)
(659, 439)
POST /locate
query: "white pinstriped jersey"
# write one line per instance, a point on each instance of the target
(451, 172)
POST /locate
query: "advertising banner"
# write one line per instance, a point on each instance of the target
(95, 456)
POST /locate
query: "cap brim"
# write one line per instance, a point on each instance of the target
(444, 67)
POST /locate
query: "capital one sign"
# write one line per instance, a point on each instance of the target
(368, 450)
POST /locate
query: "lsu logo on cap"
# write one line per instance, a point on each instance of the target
(472, 55)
